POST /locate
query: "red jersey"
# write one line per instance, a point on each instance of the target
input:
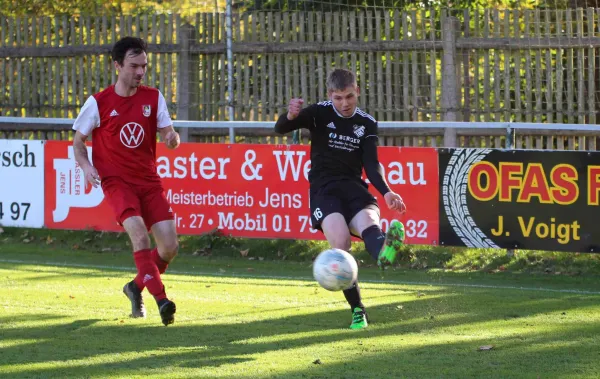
(124, 133)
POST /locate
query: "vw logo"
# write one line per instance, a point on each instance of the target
(132, 135)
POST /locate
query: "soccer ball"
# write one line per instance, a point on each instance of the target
(335, 270)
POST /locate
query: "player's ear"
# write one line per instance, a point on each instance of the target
(357, 91)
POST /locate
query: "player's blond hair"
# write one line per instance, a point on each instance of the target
(340, 79)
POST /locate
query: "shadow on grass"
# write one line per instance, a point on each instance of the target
(94, 347)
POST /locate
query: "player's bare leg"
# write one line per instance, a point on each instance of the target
(338, 235)
(167, 246)
(167, 243)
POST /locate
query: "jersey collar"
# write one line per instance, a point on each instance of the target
(338, 113)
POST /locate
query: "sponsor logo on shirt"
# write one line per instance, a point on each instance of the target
(146, 110)
(331, 125)
(359, 130)
(132, 135)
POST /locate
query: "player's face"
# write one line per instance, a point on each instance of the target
(133, 70)
(345, 100)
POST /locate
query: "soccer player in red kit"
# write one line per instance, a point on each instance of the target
(123, 120)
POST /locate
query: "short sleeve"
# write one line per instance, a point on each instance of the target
(163, 118)
(88, 118)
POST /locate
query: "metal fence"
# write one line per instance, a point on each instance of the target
(417, 134)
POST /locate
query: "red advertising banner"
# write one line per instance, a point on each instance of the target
(245, 190)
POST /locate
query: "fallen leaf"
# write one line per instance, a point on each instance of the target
(400, 306)
(87, 240)
(26, 240)
(486, 347)
(49, 240)
(208, 286)
(250, 269)
(75, 247)
(122, 321)
(221, 270)
(24, 234)
(244, 253)
(317, 362)
(71, 297)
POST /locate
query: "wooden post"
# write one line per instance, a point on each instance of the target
(187, 78)
(450, 100)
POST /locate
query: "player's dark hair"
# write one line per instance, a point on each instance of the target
(124, 45)
(340, 79)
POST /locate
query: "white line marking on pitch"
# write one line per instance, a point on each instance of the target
(300, 278)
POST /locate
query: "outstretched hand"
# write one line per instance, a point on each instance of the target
(395, 202)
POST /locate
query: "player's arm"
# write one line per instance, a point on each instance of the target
(295, 118)
(375, 173)
(165, 126)
(372, 167)
(86, 121)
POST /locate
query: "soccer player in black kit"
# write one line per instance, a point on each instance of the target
(344, 141)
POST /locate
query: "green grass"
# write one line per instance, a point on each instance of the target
(63, 315)
(417, 257)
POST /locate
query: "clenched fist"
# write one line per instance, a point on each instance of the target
(294, 108)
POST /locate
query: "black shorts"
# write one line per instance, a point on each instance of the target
(347, 197)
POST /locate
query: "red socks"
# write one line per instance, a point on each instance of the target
(162, 265)
(149, 274)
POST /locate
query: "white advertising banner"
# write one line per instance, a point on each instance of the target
(22, 183)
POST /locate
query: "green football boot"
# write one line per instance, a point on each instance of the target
(359, 319)
(394, 239)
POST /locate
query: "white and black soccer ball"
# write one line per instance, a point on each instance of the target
(335, 270)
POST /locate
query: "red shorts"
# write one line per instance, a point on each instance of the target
(127, 200)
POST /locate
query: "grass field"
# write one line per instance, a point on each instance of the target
(63, 315)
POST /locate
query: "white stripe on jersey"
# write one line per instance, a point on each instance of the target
(365, 114)
(325, 103)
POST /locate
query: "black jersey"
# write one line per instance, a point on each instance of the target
(340, 146)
